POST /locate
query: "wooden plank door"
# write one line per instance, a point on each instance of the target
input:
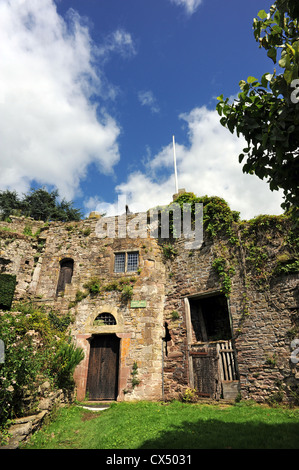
(102, 379)
(205, 370)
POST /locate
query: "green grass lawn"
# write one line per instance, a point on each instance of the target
(176, 425)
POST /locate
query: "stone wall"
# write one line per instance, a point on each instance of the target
(20, 254)
(140, 329)
(261, 319)
(23, 428)
(264, 344)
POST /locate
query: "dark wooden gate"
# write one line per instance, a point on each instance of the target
(215, 369)
(102, 379)
(205, 367)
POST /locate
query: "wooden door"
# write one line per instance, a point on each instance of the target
(206, 374)
(102, 379)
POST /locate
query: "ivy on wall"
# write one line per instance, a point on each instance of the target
(7, 290)
(249, 242)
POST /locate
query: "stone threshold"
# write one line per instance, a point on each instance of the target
(95, 405)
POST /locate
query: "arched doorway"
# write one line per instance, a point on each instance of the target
(103, 368)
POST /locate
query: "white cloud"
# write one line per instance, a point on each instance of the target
(189, 5)
(120, 42)
(49, 129)
(147, 98)
(207, 166)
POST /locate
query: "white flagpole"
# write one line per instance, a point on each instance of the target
(175, 170)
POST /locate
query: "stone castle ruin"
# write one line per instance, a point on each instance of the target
(155, 318)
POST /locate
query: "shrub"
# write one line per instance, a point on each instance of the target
(175, 315)
(112, 286)
(93, 286)
(28, 231)
(37, 346)
(67, 357)
(87, 232)
(189, 396)
(127, 293)
(169, 251)
(60, 323)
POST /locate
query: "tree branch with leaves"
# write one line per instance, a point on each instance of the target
(266, 112)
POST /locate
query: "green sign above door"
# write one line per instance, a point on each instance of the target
(138, 303)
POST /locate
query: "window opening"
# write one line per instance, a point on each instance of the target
(132, 262)
(126, 262)
(3, 263)
(66, 274)
(119, 262)
(210, 319)
(104, 319)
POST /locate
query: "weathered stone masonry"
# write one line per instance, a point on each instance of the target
(260, 337)
(159, 330)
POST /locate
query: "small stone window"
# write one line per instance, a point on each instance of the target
(104, 319)
(126, 262)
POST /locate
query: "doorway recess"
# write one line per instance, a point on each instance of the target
(103, 368)
(212, 360)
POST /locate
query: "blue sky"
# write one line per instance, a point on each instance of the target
(91, 92)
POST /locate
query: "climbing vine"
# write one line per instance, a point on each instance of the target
(266, 246)
(218, 218)
(225, 272)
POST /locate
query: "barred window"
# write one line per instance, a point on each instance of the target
(132, 262)
(126, 262)
(104, 319)
(119, 262)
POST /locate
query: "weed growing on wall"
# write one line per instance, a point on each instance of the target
(96, 287)
(134, 373)
(126, 293)
(169, 251)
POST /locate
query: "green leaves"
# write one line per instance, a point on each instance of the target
(266, 113)
(262, 14)
(252, 80)
(266, 79)
(38, 204)
(272, 53)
